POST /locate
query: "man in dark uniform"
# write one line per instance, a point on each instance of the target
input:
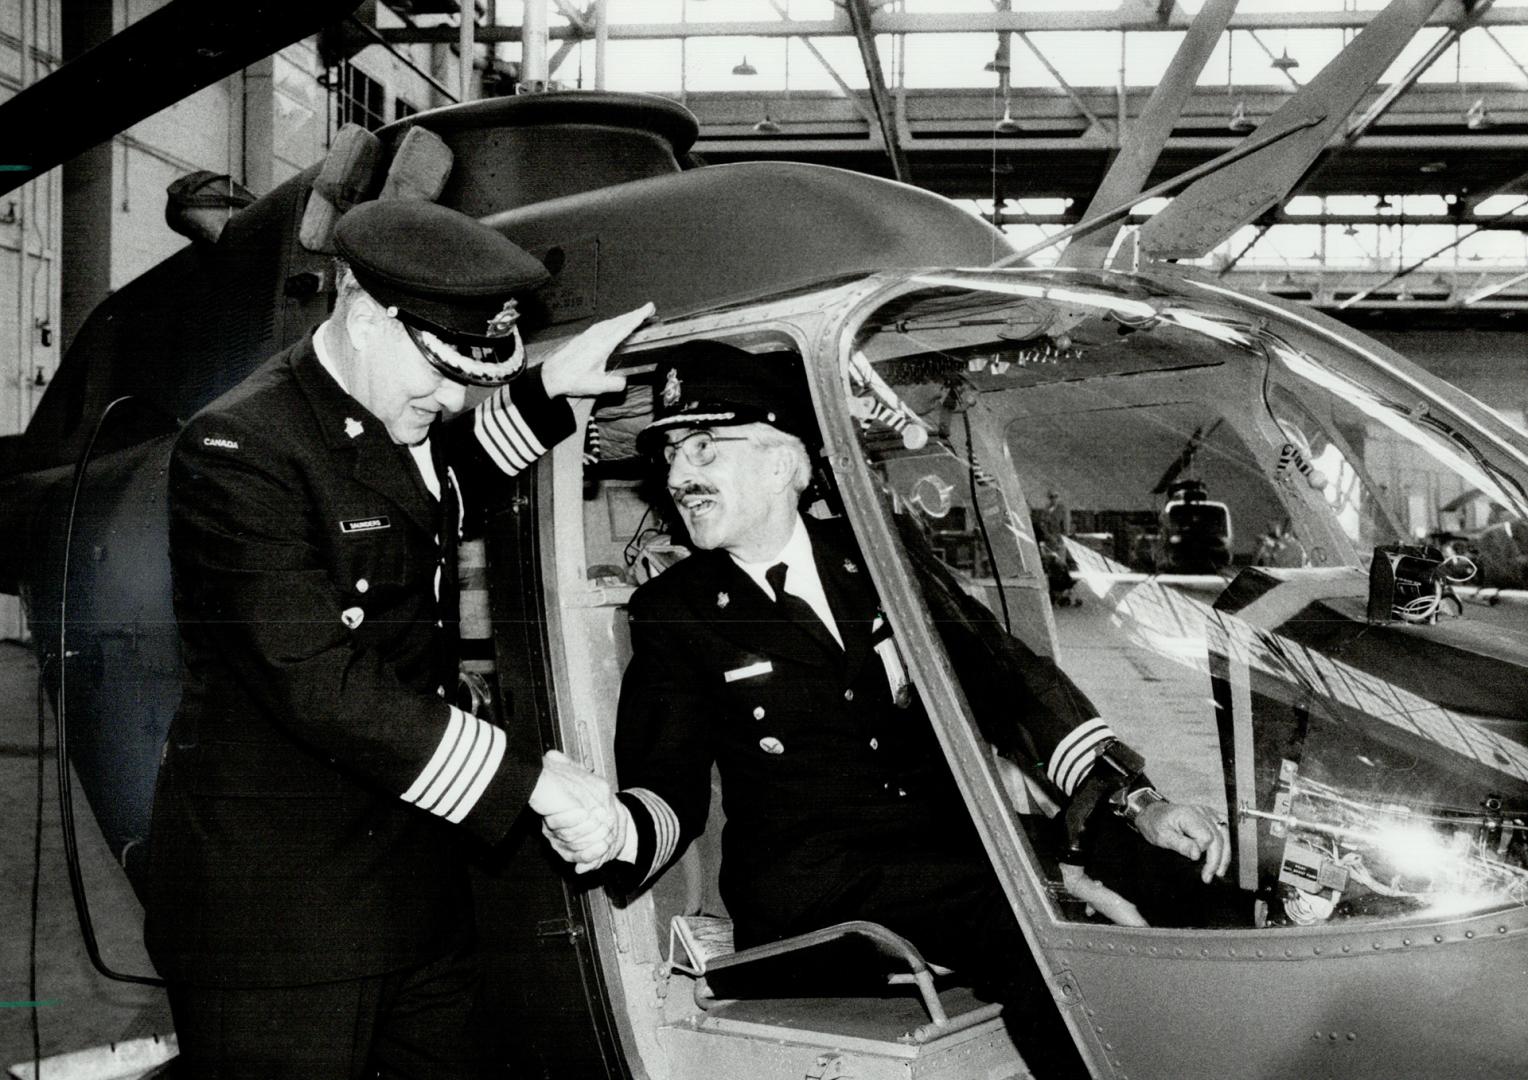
(309, 900)
(765, 652)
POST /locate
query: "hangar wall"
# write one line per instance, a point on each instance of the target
(70, 238)
(30, 243)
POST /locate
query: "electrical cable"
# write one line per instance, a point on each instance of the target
(981, 522)
(65, 787)
(35, 1022)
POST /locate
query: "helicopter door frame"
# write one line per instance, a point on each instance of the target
(585, 630)
(1018, 868)
(539, 965)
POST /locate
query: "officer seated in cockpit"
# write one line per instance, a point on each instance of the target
(759, 654)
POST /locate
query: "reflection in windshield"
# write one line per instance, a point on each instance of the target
(1183, 510)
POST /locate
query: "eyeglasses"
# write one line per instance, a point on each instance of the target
(699, 447)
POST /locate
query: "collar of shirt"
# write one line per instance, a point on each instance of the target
(801, 577)
(420, 453)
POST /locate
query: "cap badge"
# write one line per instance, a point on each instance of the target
(671, 390)
(353, 427)
(722, 599)
(502, 323)
(850, 566)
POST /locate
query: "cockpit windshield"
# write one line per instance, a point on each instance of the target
(1297, 587)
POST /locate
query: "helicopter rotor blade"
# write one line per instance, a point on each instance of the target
(1149, 134)
(1207, 212)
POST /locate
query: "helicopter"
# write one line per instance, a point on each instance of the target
(1358, 718)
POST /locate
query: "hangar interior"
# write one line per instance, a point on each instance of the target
(1412, 225)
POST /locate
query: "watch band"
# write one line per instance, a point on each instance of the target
(1135, 802)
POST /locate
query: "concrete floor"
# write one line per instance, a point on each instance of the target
(80, 1008)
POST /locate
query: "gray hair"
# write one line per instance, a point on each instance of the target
(770, 437)
(346, 287)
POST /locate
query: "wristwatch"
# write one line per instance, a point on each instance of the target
(1131, 804)
(1117, 772)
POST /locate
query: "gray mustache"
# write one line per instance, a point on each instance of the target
(692, 488)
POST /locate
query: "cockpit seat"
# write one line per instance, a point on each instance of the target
(829, 958)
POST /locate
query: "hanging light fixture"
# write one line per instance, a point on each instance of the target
(1350, 229)
(1285, 62)
(745, 68)
(1007, 125)
(1240, 121)
(1477, 117)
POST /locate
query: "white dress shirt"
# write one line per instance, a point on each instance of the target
(801, 577)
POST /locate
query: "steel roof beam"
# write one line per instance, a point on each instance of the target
(833, 74)
(891, 22)
(880, 97)
(1382, 104)
(1082, 106)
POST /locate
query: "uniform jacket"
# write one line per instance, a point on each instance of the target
(316, 785)
(823, 774)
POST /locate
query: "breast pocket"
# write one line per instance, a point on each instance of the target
(763, 716)
(376, 566)
(386, 588)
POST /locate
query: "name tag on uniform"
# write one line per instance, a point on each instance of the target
(763, 667)
(367, 524)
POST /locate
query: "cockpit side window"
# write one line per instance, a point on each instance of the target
(1258, 564)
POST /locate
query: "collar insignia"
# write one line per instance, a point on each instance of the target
(353, 427)
(850, 566)
(722, 599)
(671, 389)
(502, 323)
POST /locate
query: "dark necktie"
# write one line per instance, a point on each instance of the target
(797, 609)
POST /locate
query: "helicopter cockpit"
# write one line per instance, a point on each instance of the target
(1247, 593)
(1223, 522)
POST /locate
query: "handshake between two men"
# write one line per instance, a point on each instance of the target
(588, 826)
(580, 814)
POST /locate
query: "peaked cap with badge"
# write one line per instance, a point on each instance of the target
(438, 270)
(710, 384)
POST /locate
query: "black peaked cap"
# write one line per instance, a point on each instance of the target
(443, 271)
(711, 384)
